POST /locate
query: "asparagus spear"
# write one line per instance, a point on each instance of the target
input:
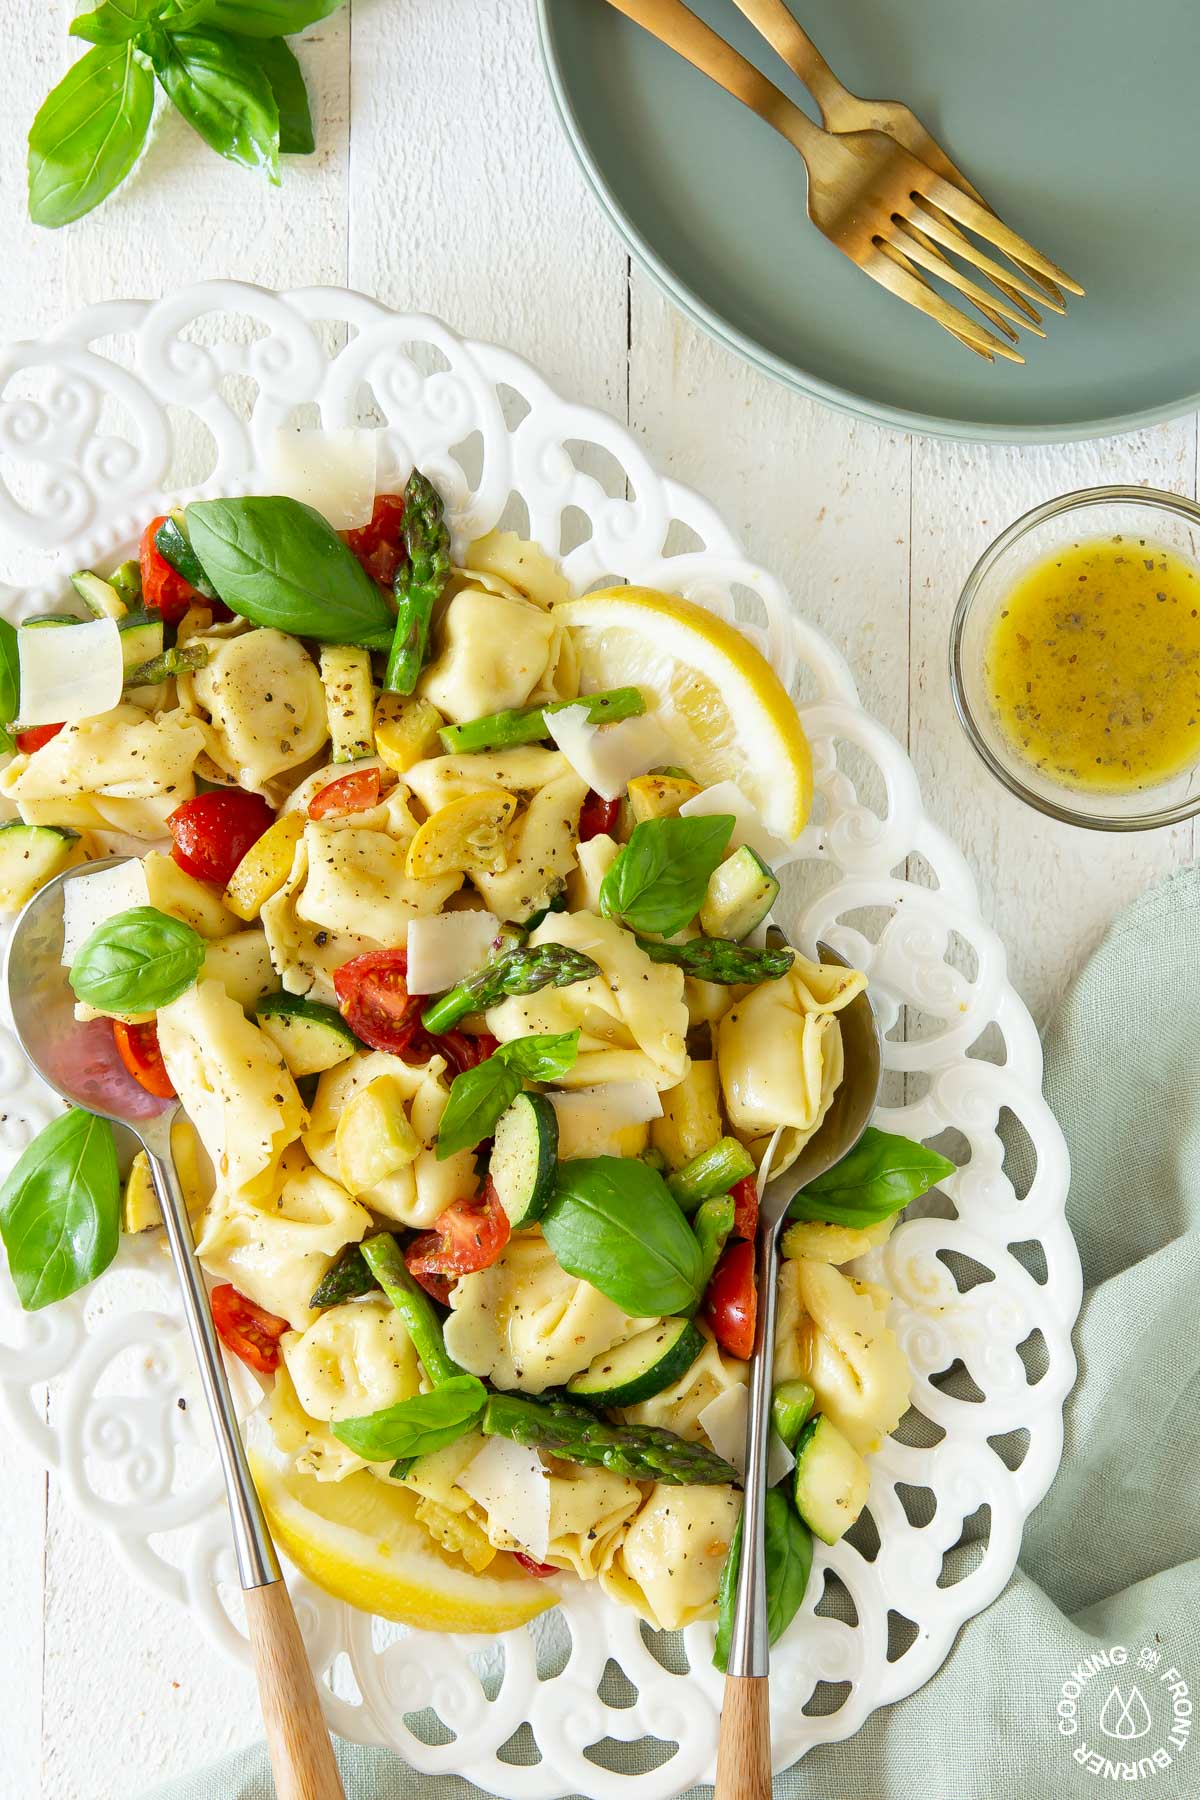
(712, 1225)
(713, 1172)
(127, 579)
(383, 1258)
(642, 1452)
(527, 724)
(523, 971)
(720, 959)
(419, 582)
(346, 1278)
(168, 663)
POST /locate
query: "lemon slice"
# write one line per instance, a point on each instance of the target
(720, 700)
(360, 1540)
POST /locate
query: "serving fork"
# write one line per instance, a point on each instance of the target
(887, 210)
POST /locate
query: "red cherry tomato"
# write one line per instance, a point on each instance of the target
(213, 832)
(745, 1207)
(33, 739)
(469, 1235)
(379, 545)
(248, 1330)
(162, 586)
(731, 1303)
(597, 815)
(373, 996)
(531, 1567)
(460, 1050)
(349, 794)
(137, 1046)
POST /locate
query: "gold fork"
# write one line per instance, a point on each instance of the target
(867, 194)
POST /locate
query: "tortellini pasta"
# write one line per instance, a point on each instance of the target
(264, 702)
(669, 1565)
(525, 1323)
(233, 1084)
(122, 771)
(491, 652)
(678, 1407)
(172, 890)
(355, 1359)
(631, 1016)
(832, 1333)
(522, 567)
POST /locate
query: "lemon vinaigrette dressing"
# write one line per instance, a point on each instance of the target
(1093, 665)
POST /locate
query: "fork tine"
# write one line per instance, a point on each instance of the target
(1048, 291)
(985, 224)
(953, 239)
(892, 269)
(918, 248)
(991, 311)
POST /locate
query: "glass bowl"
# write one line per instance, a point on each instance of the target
(1073, 518)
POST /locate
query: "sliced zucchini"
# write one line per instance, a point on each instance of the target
(30, 856)
(140, 1210)
(691, 1115)
(98, 595)
(36, 619)
(174, 546)
(349, 701)
(406, 731)
(832, 1480)
(643, 1367)
(141, 637)
(791, 1403)
(310, 1037)
(741, 892)
(374, 1136)
(126, 582)
(525, 1158)
(659, 796)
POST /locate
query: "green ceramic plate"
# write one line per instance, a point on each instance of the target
(1079, 119)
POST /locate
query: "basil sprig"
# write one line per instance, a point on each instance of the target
(658, 881)
(417, 1426)
(88, 133)
(613, 1223)
(277, 562)
(880, 1175)
(136, 962)
(479, 1096)
(60, 1210)
(789, 1563)
(223, 92)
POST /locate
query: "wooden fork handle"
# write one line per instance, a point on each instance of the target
(302, 1760)
(744, 1752)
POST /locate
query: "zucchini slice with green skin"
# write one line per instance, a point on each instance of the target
(831, 1481)
(30, 856)
(310, 1037)
(126, 583)
(791, 1404)
(644, 1366)
(42, 619)
(741, 892)
(99, 596)
(525, 1158)
(141, 637)
(174, 546)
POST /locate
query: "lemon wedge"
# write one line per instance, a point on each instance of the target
(720, 700)
(361, 1541)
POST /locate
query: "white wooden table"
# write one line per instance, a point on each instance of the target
(442, 183)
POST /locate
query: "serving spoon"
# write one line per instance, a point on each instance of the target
(81, 1063)
(744, 1751)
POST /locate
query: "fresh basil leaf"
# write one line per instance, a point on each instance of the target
(10, 683)
(261, 18)
(788, 1548)
(613, 1222)
(87, 133)
(223, 93)
(415, 1427)
(479, 1096)
(116, 21)
(136, 962)
(291, 96)
(657, 882)
(881, 1174)
(60, 1210)
(277, 562)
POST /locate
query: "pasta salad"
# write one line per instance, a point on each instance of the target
(442, 910)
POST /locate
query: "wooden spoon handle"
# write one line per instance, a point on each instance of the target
(297, 1736)
(744, 1752)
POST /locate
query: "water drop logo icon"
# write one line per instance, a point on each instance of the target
(1125, 1718)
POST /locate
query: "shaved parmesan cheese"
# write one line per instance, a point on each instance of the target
(69, 672)
(512, 1487)
(333, 471)
(90, 900)
(591, 1119)
(443, 950)
(607, 757)
(748, 828)
(723, 1423)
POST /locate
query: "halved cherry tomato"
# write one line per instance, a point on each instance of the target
(373, 996)
(531, 1567)
(745, 1207)
(348, 794)
(596, 815)
(469, 1235)
(460, 1049)
(248, 1330)
(213, 832)
(162, 586)
(33, 739)
(731, 1302)
(379, 545)
(137, 1046)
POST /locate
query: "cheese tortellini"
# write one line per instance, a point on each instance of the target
(832, 1333)
(670, 1561)
(491, 653)
(262, 704)
(123, 771)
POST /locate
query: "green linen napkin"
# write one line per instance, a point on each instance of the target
(1112, 1555)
